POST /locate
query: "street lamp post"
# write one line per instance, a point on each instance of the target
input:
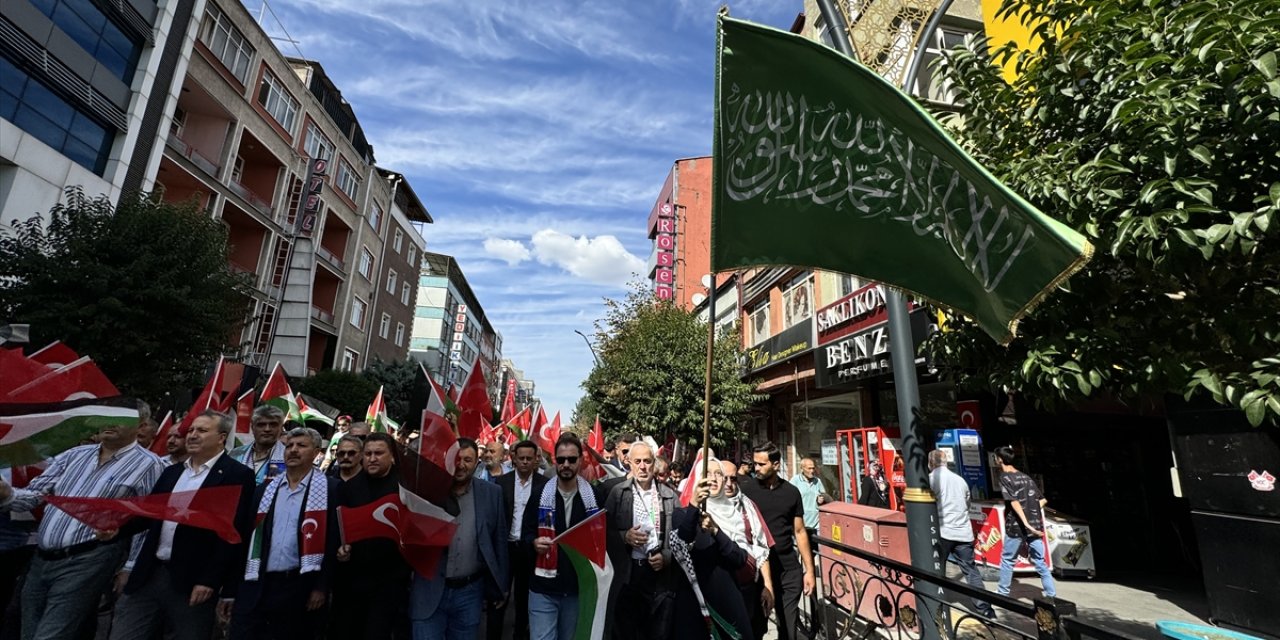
(589, 346)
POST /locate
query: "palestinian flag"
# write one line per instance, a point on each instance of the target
(441, 402)
(278, 394)
(31, 433)
(583, 544)
(520, 425)
(309, 413)
(376, 415)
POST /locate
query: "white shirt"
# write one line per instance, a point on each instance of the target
(646, 513)
(190, 479)
(952, 493)
(523, 489)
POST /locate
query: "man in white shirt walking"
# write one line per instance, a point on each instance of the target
(955, 534)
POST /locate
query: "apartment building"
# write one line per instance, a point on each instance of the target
(395, 299)
(84, 86)
(450, 329)
(679, 226)
(267, 144)
(513, 381)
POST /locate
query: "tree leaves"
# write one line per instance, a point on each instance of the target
(1152, 127)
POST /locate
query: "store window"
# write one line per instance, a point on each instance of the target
(815, 424)
(758, 321)
(797, 302)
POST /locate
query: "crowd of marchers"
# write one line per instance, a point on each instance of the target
(740, 551)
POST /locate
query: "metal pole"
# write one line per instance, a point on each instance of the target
(921, 508)
(589, 346)
(711, 353)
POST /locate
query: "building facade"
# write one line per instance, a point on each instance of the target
(266, 144)
(85, 89)
(394, 302)
(679, 226)
(450, 330)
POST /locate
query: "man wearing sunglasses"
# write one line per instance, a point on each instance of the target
(347, 458)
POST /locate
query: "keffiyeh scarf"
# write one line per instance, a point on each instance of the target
(272, 468)
(547, 562)
(311, 532)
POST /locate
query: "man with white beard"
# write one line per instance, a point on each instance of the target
(740, 520)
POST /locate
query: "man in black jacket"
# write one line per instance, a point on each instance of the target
(291, 551)
(370, 594)
(639, 513)
(520, 491)
(181, 571)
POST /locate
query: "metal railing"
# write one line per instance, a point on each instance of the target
(867, 595)
(252, 198)
(191, 153)
(328, 256)
(322, 315)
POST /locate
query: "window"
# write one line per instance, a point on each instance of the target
(28, 103)
(316, 144)
(276, 100)
(797, 302)
(366, 264)
(92, 28)
(399, 241)
(237, 169)
(848, 284)
(391, 281)
(350, 360)
(413, 256)
(384, 326)
(226, 42)
(179, 122)
(399, 334)
(348, 184)
(358, 308)
(405, 293)
(758, 320)
(375, 217)
(929, 82)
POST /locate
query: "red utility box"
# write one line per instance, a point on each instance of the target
(882, 532)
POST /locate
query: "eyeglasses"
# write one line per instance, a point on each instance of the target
(566, 459)
(347, 454)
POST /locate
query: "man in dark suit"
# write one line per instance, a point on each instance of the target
(474, 569)
(519, 489)
(291, 552)
(180, 571)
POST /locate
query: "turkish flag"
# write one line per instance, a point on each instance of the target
(160, 445)
(421, 529)
(213, 508)
(546, 435)
(475, 397)
(54, 355)
(595, 439)
(429, 471)
(80, 379)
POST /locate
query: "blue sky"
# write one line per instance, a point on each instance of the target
(537, 133)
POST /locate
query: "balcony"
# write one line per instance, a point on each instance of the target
(191, 153)
(254, 200)
(333, 261)
(321, 315)
(239, 268)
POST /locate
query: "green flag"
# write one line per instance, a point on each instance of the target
(820, 162)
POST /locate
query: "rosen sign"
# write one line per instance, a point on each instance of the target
(853, 337)
(664, 273)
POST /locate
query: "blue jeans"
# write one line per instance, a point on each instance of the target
(1035, 549)
(962, 554)
(552, 617)
(457, 617)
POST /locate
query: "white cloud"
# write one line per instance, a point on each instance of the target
(513, 252)
(601, 259)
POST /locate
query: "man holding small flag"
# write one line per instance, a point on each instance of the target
(74, 563)
(569, 591)
(291, 550)
(475, 570)
(181, 571)
(519, 489)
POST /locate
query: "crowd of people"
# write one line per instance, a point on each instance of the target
(739, 552)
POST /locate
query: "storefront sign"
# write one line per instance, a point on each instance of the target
(863, 354)
(786, 345)
(459, 328)
(861, 309)
(830, 453)
(664, 273)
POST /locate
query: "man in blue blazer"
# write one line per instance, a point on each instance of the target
(181, 571)
(474, 568)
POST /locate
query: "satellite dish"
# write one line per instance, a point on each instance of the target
(706, 281)
(697, 299)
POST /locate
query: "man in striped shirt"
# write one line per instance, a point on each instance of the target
(74, 564)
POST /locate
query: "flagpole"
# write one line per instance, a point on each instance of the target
(711, 350)
(921, 507)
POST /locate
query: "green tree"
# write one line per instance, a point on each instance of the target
(652, 372)
(142, 287)
(396, 378)
(351, 393)
(1152, 127)
(584, 417)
